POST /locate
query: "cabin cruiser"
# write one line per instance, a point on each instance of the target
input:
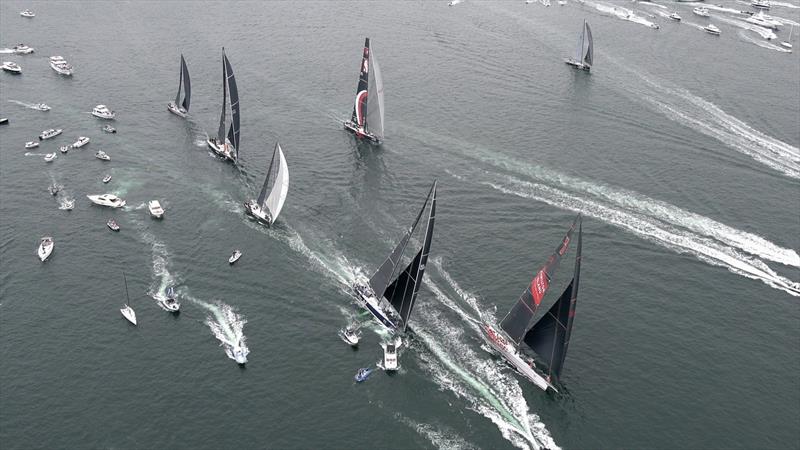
(50, 157)
(711, 29)
(54, 189)
(51, 133)
(168, 302)
(109, 129)
(156, 211)
(41, 107)
(82, 140)
(31, 144)
(65, 148)
(109, 200)
(59, 64)
(763, 20)
(350, 335)
(377, 306)
(22, 49)
(11, 66)
(389, 362)
(235, 256)
(27, 13)
(761, 4)
(112, 224)
(362, 374)
(103, 112)
(239, 353)
(46, 245)
(102, 155)
(106, 178)
(701, 11)
(674, 16)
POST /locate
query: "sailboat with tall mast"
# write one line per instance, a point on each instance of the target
(184, 84)
(549, 336)
(584, 56)
(127, 311)
(226, 142)
(367, 119)
(270, 200)
(391, 299)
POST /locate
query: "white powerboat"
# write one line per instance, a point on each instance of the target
(109, 200)
(51, 133)
(27, 13)
(238, 353)
(350, 335)
(701, 11)
(763, 20)
(41, 107)
(761, 4)
(31, 144)
(68, 205)
(11, 66)
(102, 155)
(46, 245)
(112, 224)
(59, 64)
(711, 29)
(82, 140)
(169, 302)
(235, 256)
(22, 49)
(390, 349)
(65, 148)
(156, 211)
(103, 112)
(127, 311)
(106, 178)
(109, 129)
(50, 157)
(674, 16)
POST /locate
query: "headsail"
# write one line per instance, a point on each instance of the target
(233, 131)
(581, 40)
(280, 187)
(402, 293)
(180, 83)
(221, 131)
(549, 337)
(517, 322)
(360, 105)
(271, 172)
(374, 119)
(187, 85)
(589, 56)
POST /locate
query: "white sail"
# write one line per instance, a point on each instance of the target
(279, 190)
(375, 102)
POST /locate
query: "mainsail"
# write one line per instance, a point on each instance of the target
(517, 322)
(549, 337)
(276, 183)
(360, 105)
(187, 86)
(229, 84)
(374, 120)
(402, 293)
(588, 57)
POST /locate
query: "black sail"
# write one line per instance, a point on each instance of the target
(233, 131)
(180, 84)
(360, 104)
(517, 322)
(402, 293)
(549, 337)
(221, 131)
(187, 85)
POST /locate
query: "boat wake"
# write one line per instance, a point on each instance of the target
(620, 12)
(161, 276)
(66, 202)
(226, 325)
(785, 5)
(763, 44)
(766, 33)
(27, 105)
(440, 438)
(6, 51)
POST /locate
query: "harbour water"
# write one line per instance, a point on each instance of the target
(680, 149)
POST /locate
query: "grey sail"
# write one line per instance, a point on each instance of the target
(180, 84)
(280, 187)
(581, 40)
(589, 57)
(402, 293)
(187, 85)
(380, 279)
(374, 120)
(233, 131)
(221, 131)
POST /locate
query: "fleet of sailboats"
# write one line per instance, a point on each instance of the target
(178, 107)
(584, 56)
(366, 121)
(270, 200)
(226, 142)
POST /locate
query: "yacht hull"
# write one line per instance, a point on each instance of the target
(577, 65)
(180, 112)
(510, 354)
(372, 305)
(221, 150)
(360, 133)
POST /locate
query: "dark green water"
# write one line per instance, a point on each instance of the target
(680, 149)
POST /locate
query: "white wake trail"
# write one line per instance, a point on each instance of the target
(763, 44)
(226, 325)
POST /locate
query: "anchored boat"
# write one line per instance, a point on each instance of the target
(367, 119)
(266, 208)
(177, 107)
(227, 146)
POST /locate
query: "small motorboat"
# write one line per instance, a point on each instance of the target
(109, 129)
(49, 134)
(106, 178)
(235, 256)
(701, 11)
(239, 353)
(156, 211)
(103, 112)
(11, 66)
(54, 189)
(22, 49)
(112, 224)
(390, 348)
(102, 155)
(41, 107)
(362, 374)
(168, 302)
(68, 205)
(711, 29)
(110, 200)
(31, 144)
(64, 148)
(46, 245)
(82, 140)
(27, 13)
(674, 16)
(350, 335)
(50, 157)
(761, 4)
(59, 64)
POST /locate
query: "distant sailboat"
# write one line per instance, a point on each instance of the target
(788, 42)
(584, 56)
(184, 83)
(549, 336)
(267, 207)
(400, 294)
(367, 119)
(128, 311)
(224, 145)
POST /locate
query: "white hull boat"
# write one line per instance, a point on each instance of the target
(49, 157)
(350, 336)
(51, 133)
(64, 148)
(46, 245)
(127, 311)
(59, 64)
(82, 140)
(523, 364)
(270, 200)
(226, 142)
(102, 112)
(225, 151)
(41, 107)
(102, 155)
(68, 205)
(712, 29)
(109, 129)
(27, 13)
(169, 302)
(110, 200)
(156, 211)
(390, 349)
(234, 256)
(31, 144)
(106, 179)
(22, 49)
(10, 66)
(701, 11)
(112, 225)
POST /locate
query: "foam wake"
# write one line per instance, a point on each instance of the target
(763, 44)
(226, 325)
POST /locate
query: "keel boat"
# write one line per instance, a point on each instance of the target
(127, 311)
(227, 145)
(366, 121)
(177, 107)
(266, 208)
(584, 56)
